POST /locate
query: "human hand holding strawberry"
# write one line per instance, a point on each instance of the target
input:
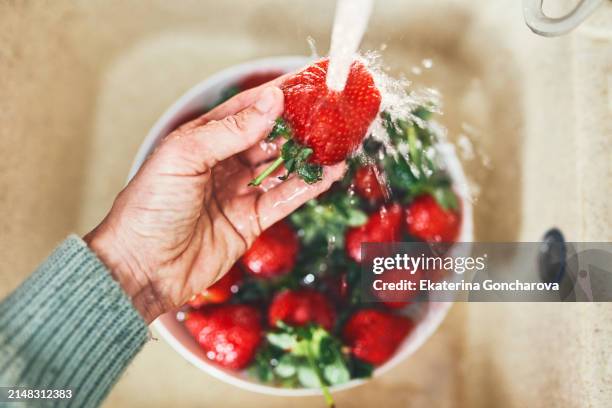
(188, 215)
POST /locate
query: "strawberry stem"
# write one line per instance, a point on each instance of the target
(295, 157)
(257, 180)
(328, 398)
(313, 364)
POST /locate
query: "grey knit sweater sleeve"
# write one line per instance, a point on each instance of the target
(68, 326)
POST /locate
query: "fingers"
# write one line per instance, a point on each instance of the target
(232, 179)
(261, 152)
(286, 197)
(242, 100)
(220, 139)
(233, 105)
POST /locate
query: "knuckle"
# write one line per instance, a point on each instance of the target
(234, 124)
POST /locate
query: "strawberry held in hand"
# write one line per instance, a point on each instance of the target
(374, 335)
(331, 123)
(273, 253)
(229, 334)
(300, 307)
(426, 219)
(382, 226)
(323, 126)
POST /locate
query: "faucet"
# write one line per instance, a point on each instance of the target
(546, 26)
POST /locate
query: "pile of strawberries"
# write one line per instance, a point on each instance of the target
(291, 308)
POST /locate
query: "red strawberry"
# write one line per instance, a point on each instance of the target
(257, 78)
(221, 291)
(273, 253)
(367, 183)
(332, 124)
(374, 335)
(397, 299)
(229, 334)
(336, 287)
(382, 226)
(427, 220)
(300, 307)
(396, 305)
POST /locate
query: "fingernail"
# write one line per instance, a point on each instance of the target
(265, 103)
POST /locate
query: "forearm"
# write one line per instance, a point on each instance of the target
(69, 326)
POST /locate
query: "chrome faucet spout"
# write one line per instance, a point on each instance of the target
(546, 26)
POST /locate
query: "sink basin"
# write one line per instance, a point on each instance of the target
(84, 81)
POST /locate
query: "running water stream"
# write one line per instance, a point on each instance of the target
(350, 23)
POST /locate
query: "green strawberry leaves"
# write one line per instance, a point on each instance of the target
(313, 348)
(255, 290)
(321, 225)
(325, 220)
(415, 172)
(293, 155)
(360, 369)
(309, 356)
(308, 377)
(281, 128)
(295, 158)
(445, 196)
(422, 113)
(282, 340)
(261, 367)
(287, 366)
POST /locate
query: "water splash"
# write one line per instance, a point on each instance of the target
(399, 102)
(466, 148)
(312, 44)
(427, 63)
(350, 22)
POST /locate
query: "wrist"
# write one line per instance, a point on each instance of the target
(125, 269)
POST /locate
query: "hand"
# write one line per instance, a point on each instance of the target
(188, 214)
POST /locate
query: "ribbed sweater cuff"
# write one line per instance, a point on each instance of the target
(69, 326)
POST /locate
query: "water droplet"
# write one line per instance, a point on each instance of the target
(466, 149)
(312, 44)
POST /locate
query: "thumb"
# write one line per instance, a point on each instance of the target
(218, 140)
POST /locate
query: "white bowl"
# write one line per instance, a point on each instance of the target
(173, 331)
